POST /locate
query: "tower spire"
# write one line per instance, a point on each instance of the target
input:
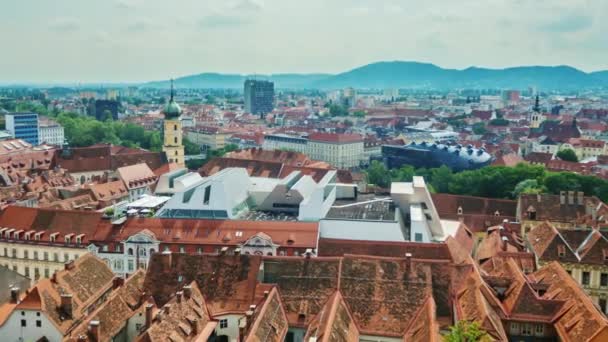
(172, 91)
(537, 105)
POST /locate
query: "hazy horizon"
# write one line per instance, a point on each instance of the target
(132, 41)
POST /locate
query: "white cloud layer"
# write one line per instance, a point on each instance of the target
(136, 40)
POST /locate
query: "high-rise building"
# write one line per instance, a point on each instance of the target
(23, 126)
(172, 132)
(259, 97)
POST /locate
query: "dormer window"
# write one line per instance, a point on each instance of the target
(497, 213)
(68, 238)
(8, 233)
(459, 210)
(238, 233)
(27, 236)
(79, 239)
(561, 251)
(53, 237)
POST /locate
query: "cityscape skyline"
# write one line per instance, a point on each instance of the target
(129, 41)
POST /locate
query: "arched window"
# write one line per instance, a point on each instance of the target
(175, 140)
(82, 179)
(130, 251)
(151, 251)
(142, 252)
(175, 152)
(175, 127)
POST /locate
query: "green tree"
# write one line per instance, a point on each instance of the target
(359, 114)
(440, 178)
(465, 331)
(479, 128)
(337, 110)
(377, 174)
(528, 186)
(567, 154)
(404, 174)
(191, 148)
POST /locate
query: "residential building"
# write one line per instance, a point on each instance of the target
(36, 242)
(343, 151)
(100, 161)
(138, 179)
(83, 302)
(23, 126)
(51, 133)
(582, 252)
(172, 132)
(106, 109)
(259, 97)
(209, 137)
(185, 318)
(12, 284)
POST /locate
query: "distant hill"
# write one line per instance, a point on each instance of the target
(235, 81)
(423, 75)
(601, 75)
(400, 74)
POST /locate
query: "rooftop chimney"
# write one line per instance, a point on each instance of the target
(14, 294)
(408, 263)
(223, 250)
(179, 296)
(94, 330)
(237, 251)
(69, 265)
(194, 325)
(66, 304)
(167, 308)
(308, 253)
(562, 197)
(187, 291)
(166, 260)
(149, 308)
(266, 293)
(504, 243)
(118, 282)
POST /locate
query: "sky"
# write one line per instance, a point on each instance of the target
(63, 41)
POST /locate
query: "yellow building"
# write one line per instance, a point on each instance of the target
(172, 132)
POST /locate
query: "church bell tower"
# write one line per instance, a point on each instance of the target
(172, 132)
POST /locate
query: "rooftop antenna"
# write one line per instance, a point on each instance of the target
(171, 100)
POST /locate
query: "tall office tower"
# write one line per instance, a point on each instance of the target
(23, 126)
(259, 97)
(172, 132)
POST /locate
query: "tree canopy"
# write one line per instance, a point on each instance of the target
(567, 154)
(465, 331)
(492, 181)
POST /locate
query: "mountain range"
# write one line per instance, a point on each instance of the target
(400, 74)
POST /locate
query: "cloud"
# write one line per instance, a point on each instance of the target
(128, 4)
(65, 25)
(141, 25)
(569, 23)
(223, 21)
(248, 6)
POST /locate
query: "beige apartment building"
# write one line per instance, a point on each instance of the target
(214, 138)
(343, 151)
(36, 242)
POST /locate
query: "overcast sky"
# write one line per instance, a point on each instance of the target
(140, 40)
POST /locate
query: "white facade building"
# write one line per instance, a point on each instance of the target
(232, 194)
(51, 133)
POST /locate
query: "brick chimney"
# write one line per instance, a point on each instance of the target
(66, 304)
(14, 294)
(94, 330)
(117, 282)
(166, 260)
(187, 291)
(167, 308)
(408, 264)
(178, 295)
(149, 308)
(69, 265)
(194, 325)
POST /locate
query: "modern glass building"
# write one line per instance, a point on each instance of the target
(259, 97)
(430, 155)
(23, 126)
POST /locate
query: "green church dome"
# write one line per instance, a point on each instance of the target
(172, 109)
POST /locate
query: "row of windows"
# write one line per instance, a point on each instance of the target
(36, 255)
(36, 274)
